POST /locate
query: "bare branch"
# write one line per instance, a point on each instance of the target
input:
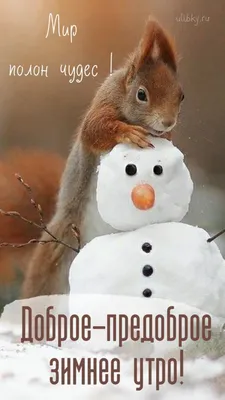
(41, 226)
(216, 236)
(76, 233)
(15, 214)
(32, 241)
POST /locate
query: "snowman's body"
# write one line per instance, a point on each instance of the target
(180, 265)
(152, 257)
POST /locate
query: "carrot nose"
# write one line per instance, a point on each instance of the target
(143, 196)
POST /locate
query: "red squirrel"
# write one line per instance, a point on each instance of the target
(143, 97)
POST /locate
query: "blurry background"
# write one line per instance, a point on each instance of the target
(42, 113)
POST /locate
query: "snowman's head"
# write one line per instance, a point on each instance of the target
(137, 187)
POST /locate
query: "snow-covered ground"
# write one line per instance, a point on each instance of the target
(25, 369)
(25, 373)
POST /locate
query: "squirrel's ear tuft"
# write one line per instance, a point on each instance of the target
(131, 71)
(155, 45)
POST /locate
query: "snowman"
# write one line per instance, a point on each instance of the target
(151, 261)
(144, 194)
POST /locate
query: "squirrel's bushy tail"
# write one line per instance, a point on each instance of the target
(42, 171)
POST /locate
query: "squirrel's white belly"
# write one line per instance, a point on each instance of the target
(92, 224)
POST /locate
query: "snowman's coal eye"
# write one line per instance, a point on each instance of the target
(131, 169)
(158, 170)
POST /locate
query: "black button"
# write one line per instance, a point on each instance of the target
(147, 247)
(147, 270)
(158, 170)
(131, 169)
(147, 293)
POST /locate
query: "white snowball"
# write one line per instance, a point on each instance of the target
(186, 268)
(173, 188)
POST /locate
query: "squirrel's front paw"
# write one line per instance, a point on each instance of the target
(136, 135)
(167, 135)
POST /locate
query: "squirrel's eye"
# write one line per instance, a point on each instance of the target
(182, 97)
(141, 95)
(131, 169)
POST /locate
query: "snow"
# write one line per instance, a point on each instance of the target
(187, 271)
(107, 277)
(173, 188)
(25, 374)
(92, 224)
(186, 268)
